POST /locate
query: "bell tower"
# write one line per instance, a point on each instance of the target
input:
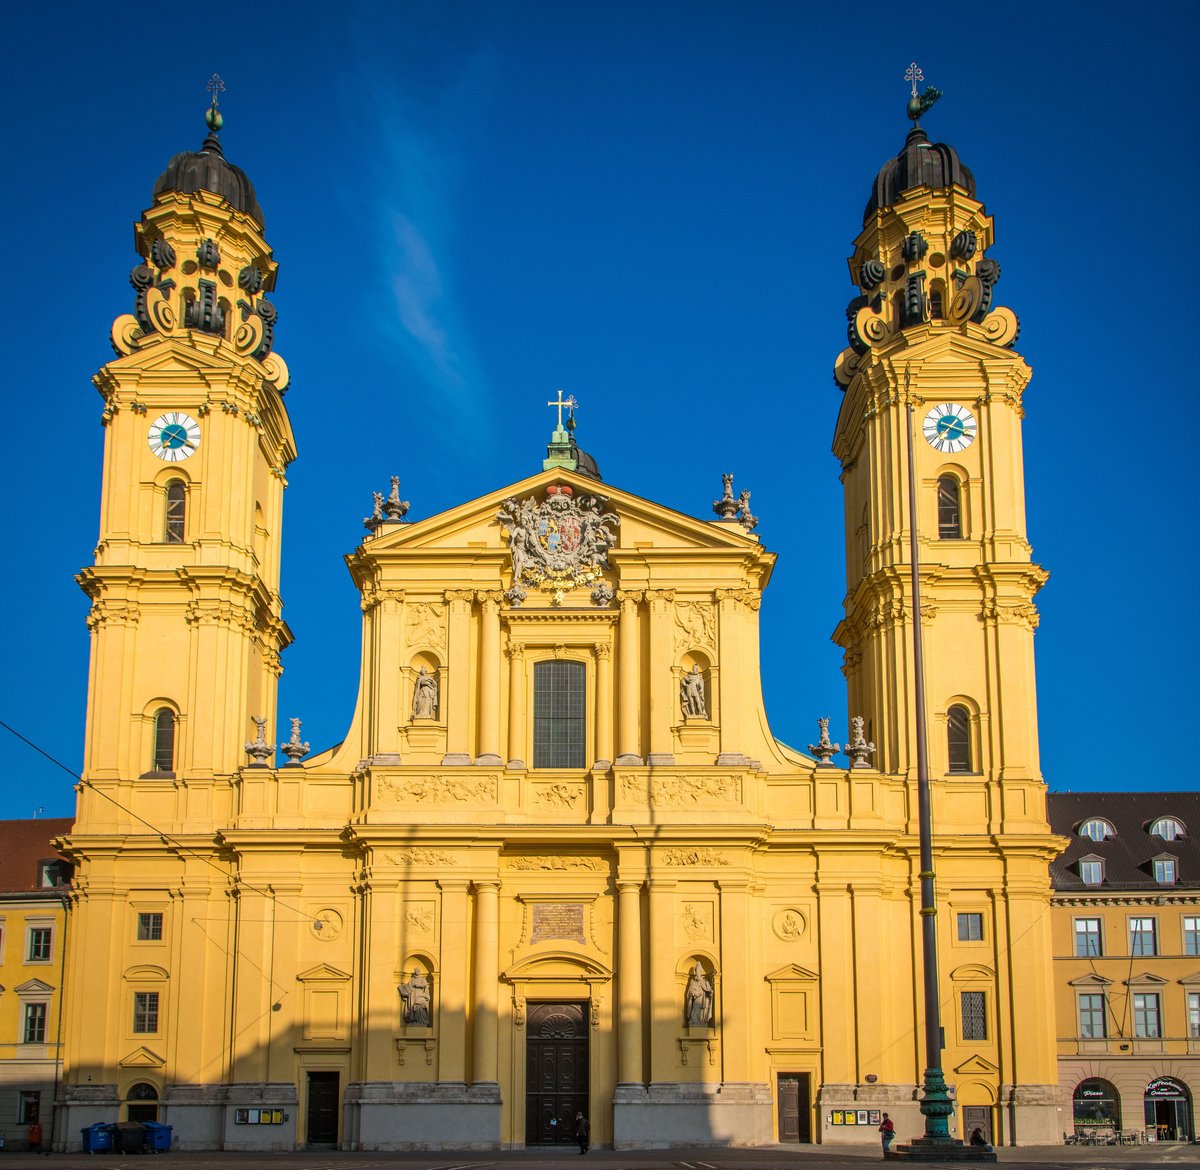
(186, 619)
(925, 330)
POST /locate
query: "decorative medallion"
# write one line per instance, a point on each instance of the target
(326, 925)
(560, 544)
(788, 924)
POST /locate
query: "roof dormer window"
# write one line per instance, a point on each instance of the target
(1091, 871)
(1168, 828)
(1166, 870)
(1097, 828)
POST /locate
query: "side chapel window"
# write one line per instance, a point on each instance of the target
(958, 739)
(559, 717)
(949, 505)
(176, 512)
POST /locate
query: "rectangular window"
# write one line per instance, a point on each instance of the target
(1191, 936)
(29, 1108)
(1087, 937)
(559, 721)
(970, 927)
(145, 1011)
(1091, 1017)
(149, 927)
(1193, 1010)
(974, 1015)
(1091, 873)
(34, 1030)
(1146, 1016)
(39, 944)
(1142, 939)
(1164, 871)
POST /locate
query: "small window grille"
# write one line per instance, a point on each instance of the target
(974, 1015)
(949, 508)
(970, 927)
(145, 1011)
(149, 927)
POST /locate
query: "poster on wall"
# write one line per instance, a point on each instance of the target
(862, 1117)
(874, 1119)
(835, 1118)
(241, 1116)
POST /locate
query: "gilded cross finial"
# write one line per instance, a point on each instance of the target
(212, 116)
(569, 402)
(919, 103)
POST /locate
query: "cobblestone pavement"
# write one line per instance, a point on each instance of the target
(770, 1158)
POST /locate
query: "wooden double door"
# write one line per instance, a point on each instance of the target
(556, 1071)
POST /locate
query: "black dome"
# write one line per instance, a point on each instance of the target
(206, 170)
(585, 464)
(920, 164)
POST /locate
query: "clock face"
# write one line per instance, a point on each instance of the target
(174, 436)
(950, 428)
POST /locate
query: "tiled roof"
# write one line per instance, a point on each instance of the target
(1128, 854)
(22, 845)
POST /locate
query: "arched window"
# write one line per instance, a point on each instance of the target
(958, 739)
(935, 301)
(559, 716)
(1097, 1107)
(949, 506)
(1097, 828)
(1168, 828)
(164, 740)
(176, 511)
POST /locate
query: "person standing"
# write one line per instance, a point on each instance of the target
(583, 1132)
(887, 1131)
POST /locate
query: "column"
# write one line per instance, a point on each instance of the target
(459, 683)
(664, 702)
(452, 1002)
(629, 983)
(489, 679)
(516, 704)
(629, 690)
(487, 958)
(729, 618)
(604, 706)
(666, 993)
(734, 1020)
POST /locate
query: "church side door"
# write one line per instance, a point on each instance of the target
(556, 1072)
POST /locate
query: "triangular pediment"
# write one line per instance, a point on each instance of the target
(1146, 978)
(645, 527)
(142, 1058)
(792, 973)
(33, 987)
(975, 1064)
(1187, 980)
(322, 973)
(1090, 980)
(171, 355)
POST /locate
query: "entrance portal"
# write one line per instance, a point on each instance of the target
(556, 1072)
(322, 1128)
(1168, 1110)
(793, 1107)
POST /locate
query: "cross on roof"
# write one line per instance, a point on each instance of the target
(569, 402)
(913, 73)
(215, 86)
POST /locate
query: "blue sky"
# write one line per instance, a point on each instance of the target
(650, 205)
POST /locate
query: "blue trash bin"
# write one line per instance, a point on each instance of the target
(158, 1136)
(97, 1139)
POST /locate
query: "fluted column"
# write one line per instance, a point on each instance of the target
(664, 702)
(516, 704)
(487, 959)
(458, 748)
(629, 688)
(489, 679)
(629, 983)
(604, 706)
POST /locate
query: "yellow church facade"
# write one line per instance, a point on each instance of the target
(559, 863)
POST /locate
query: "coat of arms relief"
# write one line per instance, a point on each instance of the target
(559, 544)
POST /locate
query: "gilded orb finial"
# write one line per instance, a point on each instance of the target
(212, 116)
(919, 103)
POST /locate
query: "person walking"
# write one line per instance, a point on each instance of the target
(887, 1132)
(583, 1132)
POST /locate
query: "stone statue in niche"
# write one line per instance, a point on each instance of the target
(415, 994)
(698, 999)
(691, 694)
(425, 695)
